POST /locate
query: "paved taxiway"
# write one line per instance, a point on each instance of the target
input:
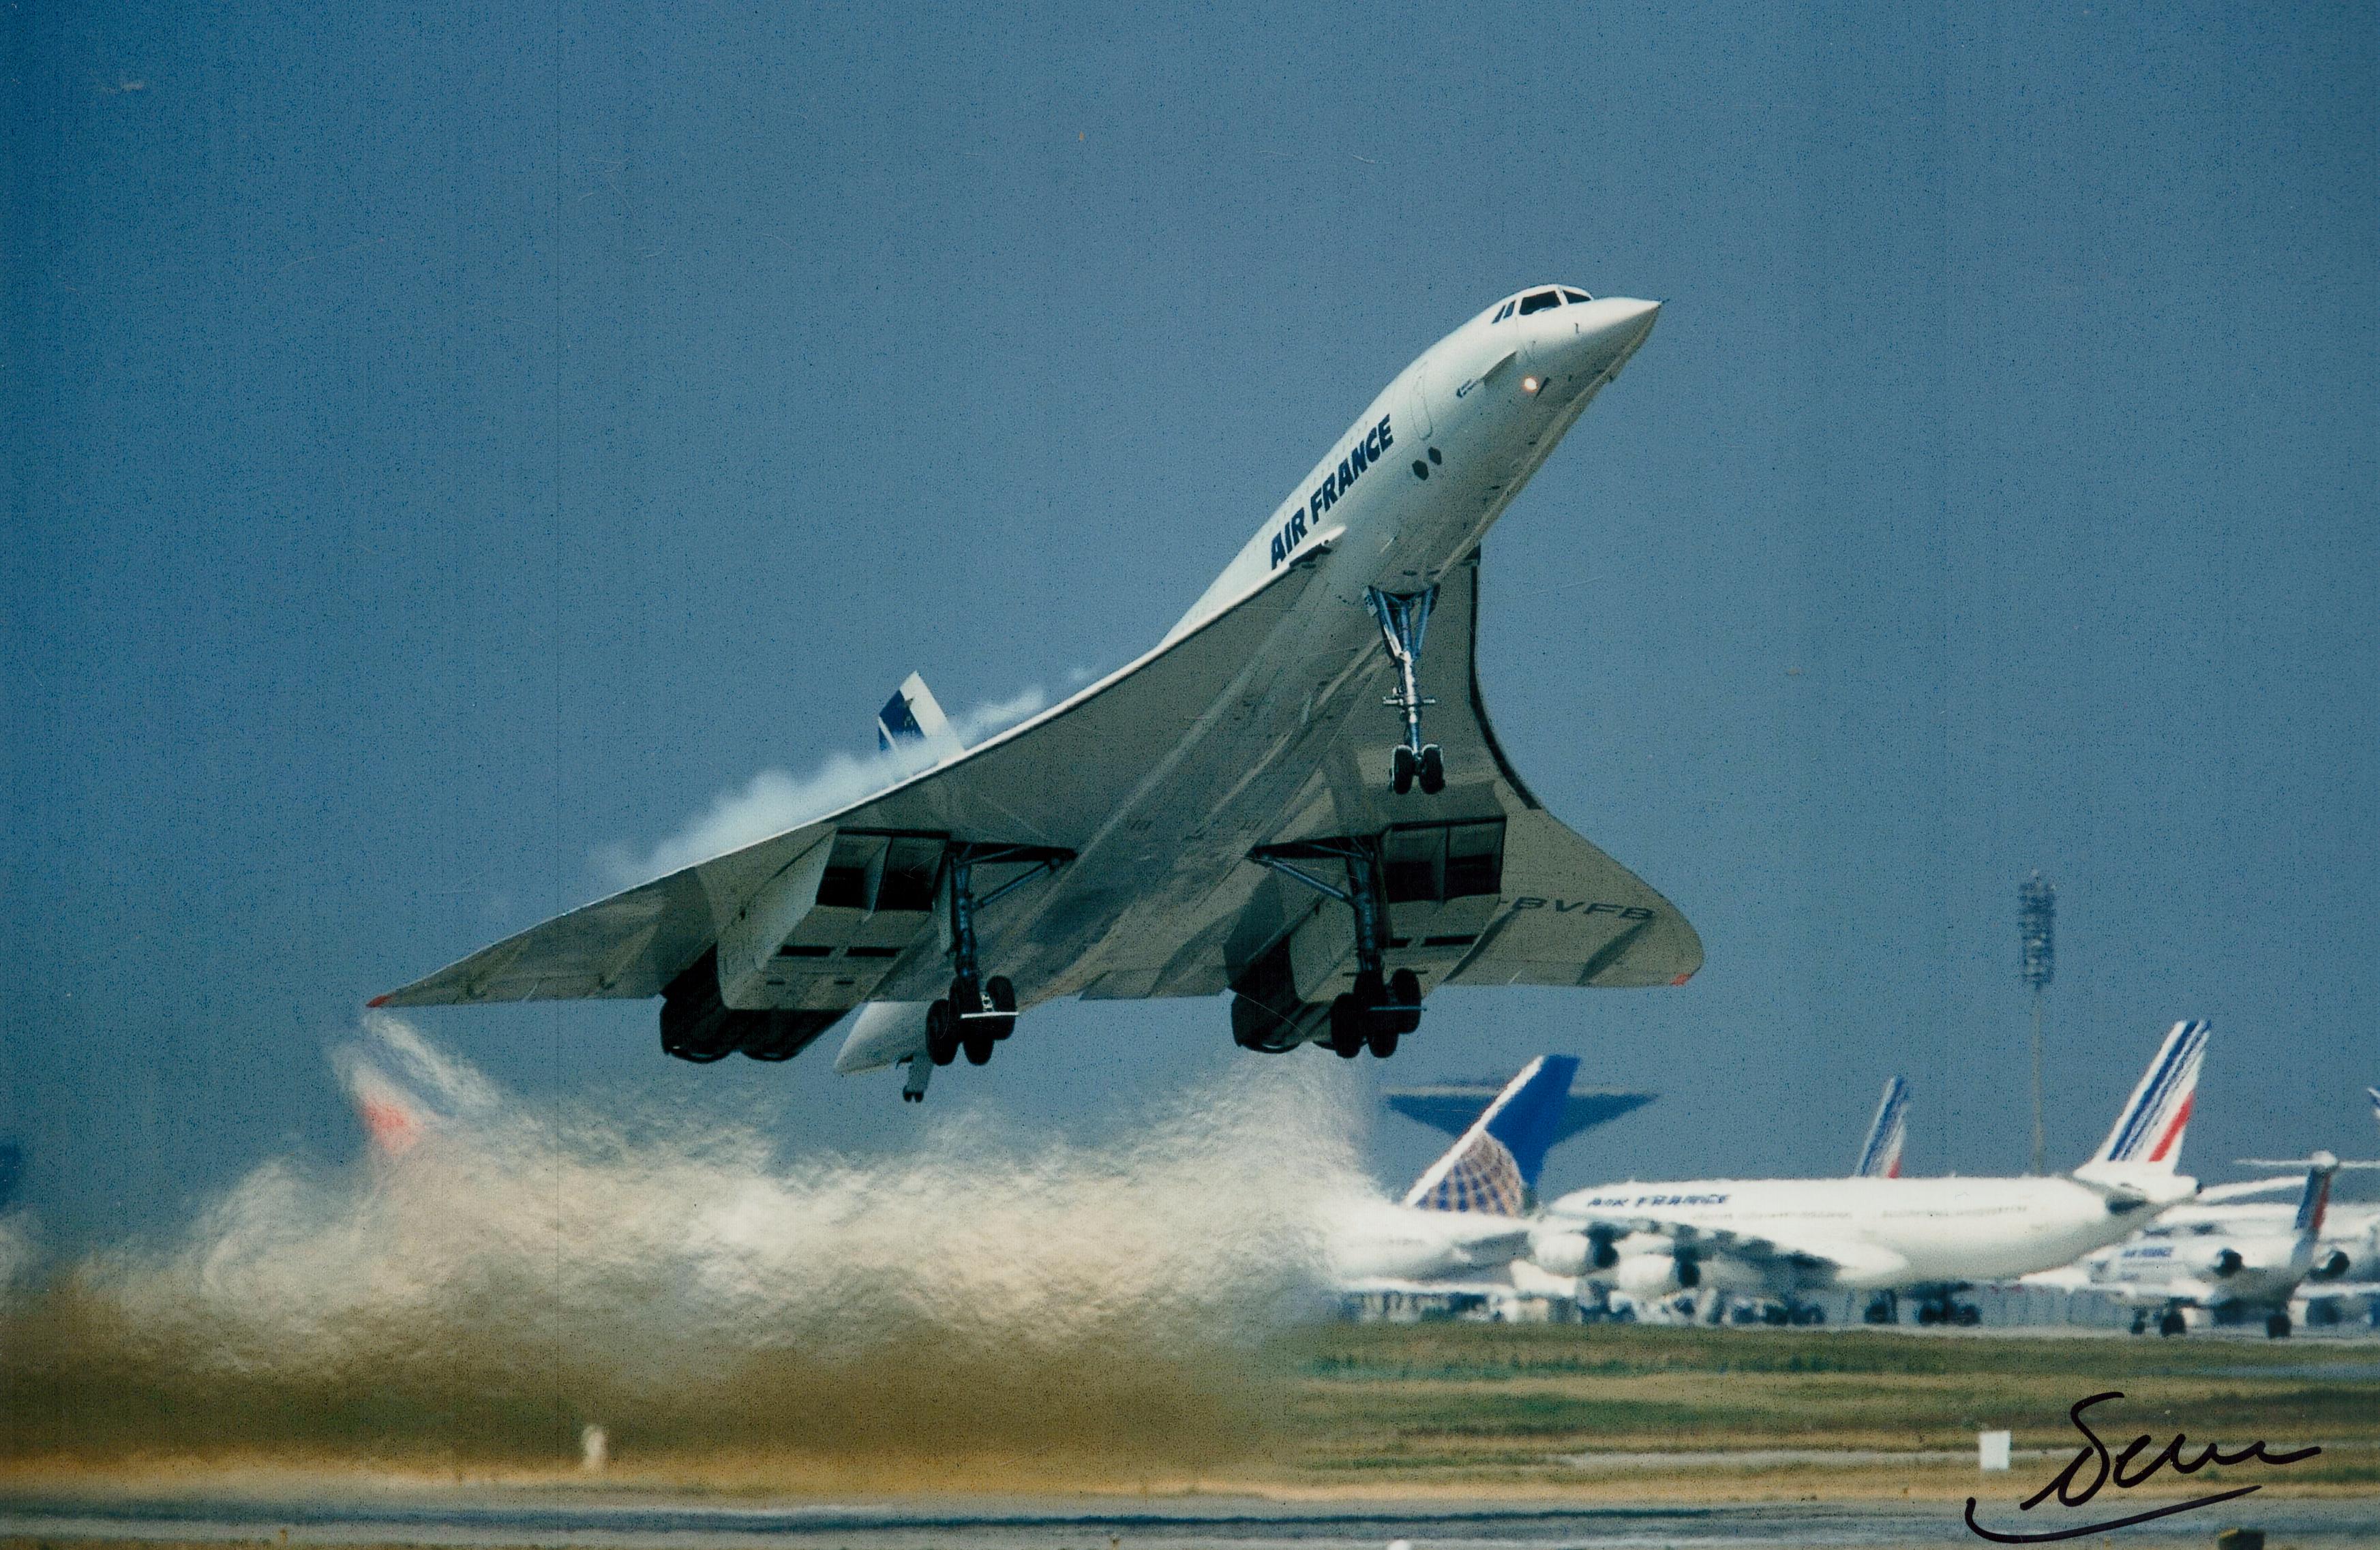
(487, 1520)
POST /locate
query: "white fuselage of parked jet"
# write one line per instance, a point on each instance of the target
(1776, 1236)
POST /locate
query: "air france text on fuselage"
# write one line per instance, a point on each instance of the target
(1336, 483)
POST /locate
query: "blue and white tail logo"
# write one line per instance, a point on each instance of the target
(912, 727)
(1880, 1158)
(2149, 1131)
(1494, 1166)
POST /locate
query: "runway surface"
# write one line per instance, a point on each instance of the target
(487, 1520)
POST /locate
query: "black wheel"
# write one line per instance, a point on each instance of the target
(1382, 1036)
(1966, 1315)
(1370, 990)
(1004, 1001)
(2172, 1323)
(1400, 769)
(977, 1042)
(1433, 770)
(1928, 1315)
(1346, 1027)
(1404, 995)
(941, 1033)
(2277, 1327)
(966, 999)
(2140, 1322)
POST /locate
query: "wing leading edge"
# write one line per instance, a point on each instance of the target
(1053, 780)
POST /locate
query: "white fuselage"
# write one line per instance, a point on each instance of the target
(1466, 399)
(2217, 1254)
(1928, 1230)
(1379, 1239)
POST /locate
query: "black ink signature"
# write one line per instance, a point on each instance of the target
(2120, 1470)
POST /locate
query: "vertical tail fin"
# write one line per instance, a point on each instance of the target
(913, 728)
(2148, 1133)
(1494, 1165)
(2314, 1203)
(1880, 1157)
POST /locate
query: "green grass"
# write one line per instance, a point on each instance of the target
(1443, 1402)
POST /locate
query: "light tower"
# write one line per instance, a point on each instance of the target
(2036, 927)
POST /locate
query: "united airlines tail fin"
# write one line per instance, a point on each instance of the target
(912, 727)
(1880, 1157)
(2148, 1133)
(1494, 1165)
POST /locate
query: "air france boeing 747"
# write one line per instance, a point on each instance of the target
(1294, 796)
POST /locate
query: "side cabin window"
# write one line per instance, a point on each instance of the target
(1538, 301)
(1502, 312)
(1577, 296)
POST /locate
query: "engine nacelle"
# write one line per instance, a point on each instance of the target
(1572, 1253)
(2224, 1262)
(2331, 1266)
(1656, 1275)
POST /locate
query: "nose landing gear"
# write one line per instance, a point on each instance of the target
(1404, 619)
(1382, 1007)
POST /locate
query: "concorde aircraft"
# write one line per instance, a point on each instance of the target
(1776, 1237)
(1296, 796)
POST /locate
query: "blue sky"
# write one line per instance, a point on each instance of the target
(446, 450)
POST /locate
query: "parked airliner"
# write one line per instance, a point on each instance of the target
(1468, 1211)
(1777, 1238)
(1294, 797)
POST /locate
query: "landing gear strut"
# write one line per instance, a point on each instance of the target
(1383, 1006)
(978, 1012)
(1404, 619)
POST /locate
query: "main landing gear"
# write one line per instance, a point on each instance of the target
(979, 1012)
(1382, 1007)
(1404, 619)
(1943, 1308)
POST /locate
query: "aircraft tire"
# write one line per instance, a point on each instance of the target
(1404, 997)
(2276, 1326)
(2172, 1322)
(1382, 1039)
(977, 1042)
(941, 1033)
(1400, 769)
(1346, 1027)
(1433, 770)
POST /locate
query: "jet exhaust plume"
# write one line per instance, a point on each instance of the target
(776, 800)
(506, 1278)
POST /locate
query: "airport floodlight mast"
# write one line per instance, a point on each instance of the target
(2037, 925)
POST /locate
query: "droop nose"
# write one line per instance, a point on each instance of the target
(1606, 333)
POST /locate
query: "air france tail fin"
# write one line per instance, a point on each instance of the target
(1494, 1165)
(912, 727)
(1880, 1157)
(2314, 1203)
(2148, 1133)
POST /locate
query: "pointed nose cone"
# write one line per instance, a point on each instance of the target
(1615, 325)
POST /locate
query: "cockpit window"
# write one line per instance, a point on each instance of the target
(1538, 301)
(1577, 296)
(1502, 312)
